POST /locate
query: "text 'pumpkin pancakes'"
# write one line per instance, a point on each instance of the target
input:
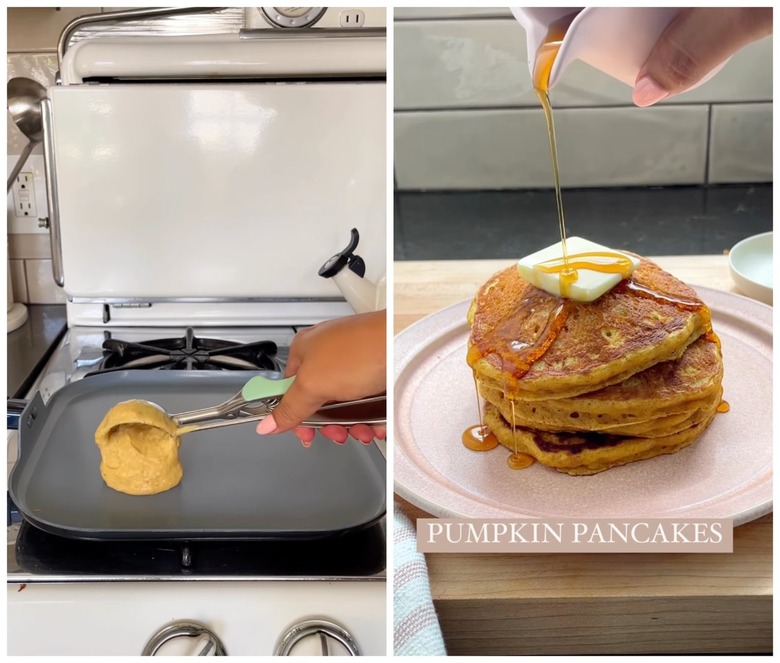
(586, 386)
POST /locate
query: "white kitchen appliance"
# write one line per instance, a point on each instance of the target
(196, 184)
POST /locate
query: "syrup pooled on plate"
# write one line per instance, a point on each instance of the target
(478, 438)
(519, 461)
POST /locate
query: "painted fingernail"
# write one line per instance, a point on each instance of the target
(647, 92)
(305, 443)
(266, 426)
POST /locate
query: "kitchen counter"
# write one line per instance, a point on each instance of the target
(29, 346)
(592, 603)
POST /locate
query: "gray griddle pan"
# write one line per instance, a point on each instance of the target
(236, 483)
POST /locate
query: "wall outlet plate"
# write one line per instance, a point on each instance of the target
(334, 17)
(23, 193)
(19, 224)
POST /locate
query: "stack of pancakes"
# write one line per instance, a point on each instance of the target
(583, 387)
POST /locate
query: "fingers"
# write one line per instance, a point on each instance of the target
(297, 404)
(695, 43)
(362, 433)
(336, 433)
(305, 435)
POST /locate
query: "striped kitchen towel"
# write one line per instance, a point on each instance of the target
(415, 626)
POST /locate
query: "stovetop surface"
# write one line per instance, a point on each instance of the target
(35, 555)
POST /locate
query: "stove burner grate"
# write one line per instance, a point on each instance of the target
(189, 353)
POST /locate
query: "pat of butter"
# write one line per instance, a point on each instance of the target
(590, 284)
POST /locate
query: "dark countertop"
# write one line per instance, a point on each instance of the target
(30, 345)
(466, 225)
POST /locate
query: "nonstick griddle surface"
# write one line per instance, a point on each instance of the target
(236, 483)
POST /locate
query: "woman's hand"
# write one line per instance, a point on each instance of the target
(337, 360)
(693, 44)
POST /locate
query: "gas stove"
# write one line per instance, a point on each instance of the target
(318, 582)
(87, 351)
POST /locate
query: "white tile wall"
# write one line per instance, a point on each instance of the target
(25, 247)
(416, 13)
(462, 64)
(497, 149)
(19, 280)
(740, 143)
(452, 66)
(41, 288)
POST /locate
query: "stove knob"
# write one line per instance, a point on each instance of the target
(206, 644)
(317, 637)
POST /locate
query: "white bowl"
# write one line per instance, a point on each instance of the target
(750, 262)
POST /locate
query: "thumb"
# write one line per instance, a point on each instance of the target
(295, 406)
(694, 43)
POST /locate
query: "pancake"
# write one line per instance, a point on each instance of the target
(589, 386)
(663, 393)
(591, 345)
(591, 453)
(139, 447)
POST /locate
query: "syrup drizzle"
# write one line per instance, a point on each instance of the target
(564, 267)
(478, 438)
(517, 460)
(525, 353)
(605, 262)
(545, 58)
(528, 353)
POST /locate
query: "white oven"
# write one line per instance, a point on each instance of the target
(196, 185)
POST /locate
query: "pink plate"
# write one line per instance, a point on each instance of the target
(726, 473)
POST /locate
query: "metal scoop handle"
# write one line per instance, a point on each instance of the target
(327, 415)
(259, 389)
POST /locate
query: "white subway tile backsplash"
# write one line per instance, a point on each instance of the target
(414, 13)
(474, 62)
(18, 280)
(496, 149)
(26, 247)
(747, 76)
(741, 143)
(468, 63)
(41, 288)
(480, 64)
(39, 28)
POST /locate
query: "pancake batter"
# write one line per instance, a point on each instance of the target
(139, 445)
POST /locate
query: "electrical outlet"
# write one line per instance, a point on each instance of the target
(352, 18)
(24, 196)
